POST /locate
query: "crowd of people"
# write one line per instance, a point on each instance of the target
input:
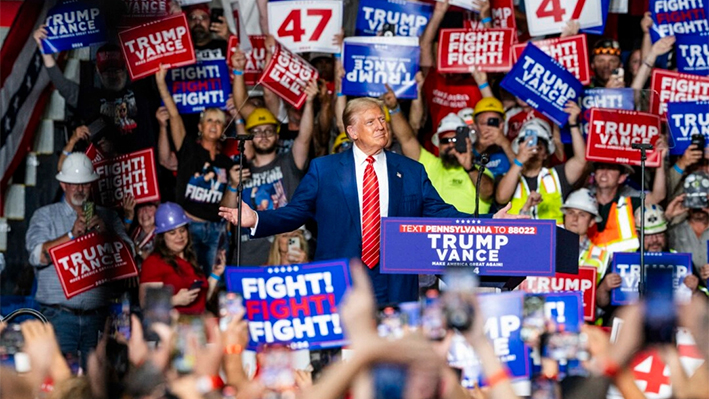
(314, 183)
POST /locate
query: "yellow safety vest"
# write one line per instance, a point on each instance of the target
(597, 257)
(619, 234)
(549, 186)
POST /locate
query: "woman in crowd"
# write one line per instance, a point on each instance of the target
(141, 229)
(288, 248)
(174, 263)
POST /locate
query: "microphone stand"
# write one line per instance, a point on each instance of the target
(242, 139)
(643, 157)
(484, 159)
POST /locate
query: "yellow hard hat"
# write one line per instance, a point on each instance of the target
(339, 140)
(261, 116)
(489, 104)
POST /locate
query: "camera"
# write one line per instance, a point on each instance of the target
(696, 187)
(699, 141)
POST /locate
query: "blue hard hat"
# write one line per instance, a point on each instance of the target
(169, 216)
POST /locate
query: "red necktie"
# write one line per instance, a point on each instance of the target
(370, 216)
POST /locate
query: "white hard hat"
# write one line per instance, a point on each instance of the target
(582, 199)
(449, 124)
(467, 115)
(541, 128)
(77, 169)
(655, 221)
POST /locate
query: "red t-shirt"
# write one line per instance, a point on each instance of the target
(515, 122)
(156, 270)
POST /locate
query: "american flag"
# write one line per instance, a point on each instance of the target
(24, 89)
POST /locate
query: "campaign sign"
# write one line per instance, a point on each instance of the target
(308, 25)
(686, 119)
(139, 12)
(565, 309)
(464, 50)
(491, 247)
(676, 87)
(371, 62)
(570, 51)
(627, 265)
(503, 325)
(693, 53)
(464, 4)
(585, 282)
(598, 30)
(671, 17)
(620, 98)
(295, 304)
(255, 58)
(130, 174)
(95, 155)
(91, 260)
(167, 42)
(543, 83)
(199, 86)
(406, 18)
(503, 15)
(287, 75)
(73, 24)
(550, 16)
(611, 133)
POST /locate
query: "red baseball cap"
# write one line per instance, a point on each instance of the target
(108, 57)
(196, 7)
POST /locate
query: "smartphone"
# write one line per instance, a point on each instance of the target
(230, 304)
(460, 282)
(388, 30)
(533, 318)
(699, 141)
(390, 323)
(215, 14)
(293, 244)
(620, 72)
(433, 321)
(196, 284)
(545, 388)
(120, 318)
(89, 209)
(277, 368)
(410, 314)
(494, 122)
(660, 321)
(11, 343)
(530, 136)
(565, 346)
(189, 329)
(156, 310)
(461, 133)
(96, 127)
(388, 380)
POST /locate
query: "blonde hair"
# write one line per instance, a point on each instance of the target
(274, 254)
(356, 106)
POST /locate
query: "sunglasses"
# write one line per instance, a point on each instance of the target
(447, 140)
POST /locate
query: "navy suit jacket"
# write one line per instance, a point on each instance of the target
(328, 194)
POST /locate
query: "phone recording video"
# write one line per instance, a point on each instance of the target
(230, 304)
(190, 330)
(119, 314)
(215, 14)
(391, 323)
(277, 369)
(156, 310)
(461, 133)
(458, 311)
(11, 343)
(433, 320)
(530, 136)
(533, 319)
(660, 322)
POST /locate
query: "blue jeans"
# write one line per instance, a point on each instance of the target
(76, 333)
(205, 241)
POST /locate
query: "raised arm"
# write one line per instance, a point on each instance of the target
(238, 63)
(574, 167)
(416, 112)
(402, 130)
(69, 90)
(428, 59)
(273, 102)
(301, 144)
(178, 130)
(661, 47)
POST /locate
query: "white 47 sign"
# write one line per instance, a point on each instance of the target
(550, 16)
(306, 25)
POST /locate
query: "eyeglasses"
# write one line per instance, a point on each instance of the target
(199, 18)
(259, 134)
(448, 140)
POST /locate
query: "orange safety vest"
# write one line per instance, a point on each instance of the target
(620, 234)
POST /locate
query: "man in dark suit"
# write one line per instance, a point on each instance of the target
(342, 193)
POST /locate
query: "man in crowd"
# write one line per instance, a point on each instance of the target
(528, 174)
(348, 192)
(77, 321)
(605, 59)
(489, 119)
(580, 214)
(452, 173)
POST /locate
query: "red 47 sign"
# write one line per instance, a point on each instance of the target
(549, 16)
(306, 25)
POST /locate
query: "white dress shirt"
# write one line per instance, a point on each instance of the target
(380, 168)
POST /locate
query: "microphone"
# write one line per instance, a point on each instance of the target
(484, 159)
(641, 146)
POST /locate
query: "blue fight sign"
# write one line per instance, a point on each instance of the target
(621, 98)
(294, 304)
(200, 86)
(73, 24)
(372, 62)
(407, 18)
(672, 17)
(492, 247)
(565, 309)
(503, 326)
(627, 265)
(693, 53)
(543, 83)
(686, 119)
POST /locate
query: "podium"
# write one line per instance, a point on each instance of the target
(501, 251)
